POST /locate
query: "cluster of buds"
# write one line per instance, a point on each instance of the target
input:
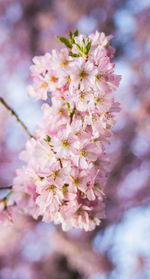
(66, 167)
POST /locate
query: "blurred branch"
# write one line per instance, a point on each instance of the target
(81, 255)
(13, 113)
(6, 187)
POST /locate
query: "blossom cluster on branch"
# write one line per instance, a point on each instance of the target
(66, 167)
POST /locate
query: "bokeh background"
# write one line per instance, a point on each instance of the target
(120, 247)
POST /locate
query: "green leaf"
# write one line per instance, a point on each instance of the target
(78, 47)
(48, 138)
(83, 43)
(64, 189)
(70, 34)
(73, 35)
(72, 41)
(65, 42)
(74, 54)
(88, 46)
(76, 33)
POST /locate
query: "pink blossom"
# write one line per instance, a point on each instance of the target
(82, 74)
(66, 165)
(6, 212)
(64, 143)
(51, 115)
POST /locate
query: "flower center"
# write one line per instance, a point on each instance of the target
(78, 134)
(64, 63)
(96, 163)
(82, 74)
(98, 100)
(76, 181)
(53, 78)
(82, 96)
(51, 187)
(60, 110)
(65, 143)
(98, 77)
(83, 153)
(44, 85)
(55, 174)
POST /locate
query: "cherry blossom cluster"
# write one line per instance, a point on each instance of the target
(66, 167)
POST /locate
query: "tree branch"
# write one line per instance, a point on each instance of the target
(6, 187)
(13, 113)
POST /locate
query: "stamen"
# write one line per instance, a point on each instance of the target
(82, 74)
(53, 78)
(83, 153)
(65, 143)
(44, 85)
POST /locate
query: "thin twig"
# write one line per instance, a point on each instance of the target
(72, 114)
(13, 113)
(6, 187)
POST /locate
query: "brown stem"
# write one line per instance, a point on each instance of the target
(6, 187)
(71, 115)
(13, 113)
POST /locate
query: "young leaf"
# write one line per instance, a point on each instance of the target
(83, 42)
(88, 46)
(70, 34)
(76, 33)
(74, 54)
(65, 42)
(78, 47)
(64, 189)
(48, 138)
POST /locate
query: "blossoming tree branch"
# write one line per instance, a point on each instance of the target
(66, 165)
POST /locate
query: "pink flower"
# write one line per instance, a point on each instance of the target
(24, 190)
(82, 74)
(89, 152)
(39, 91)
(100, 39)
(6, 212)
(41, 64)
(53, 116)
(61, 60)
(49, 201)
(66, 165)
(64, 144)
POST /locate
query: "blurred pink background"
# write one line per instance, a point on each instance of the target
(120, 247)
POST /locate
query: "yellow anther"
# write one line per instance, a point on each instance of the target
(51, 187)
(54, 174)
(61, 110)
(76, 181)
(53, 78)
(65, 143)
(82, 95)
(68, 79)
(82, 74)
(108, 127)
(78, 134)
(98, 100)
(85, 56)
(64, 63)
(83, 153)
(98, 77)
(44, 85)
